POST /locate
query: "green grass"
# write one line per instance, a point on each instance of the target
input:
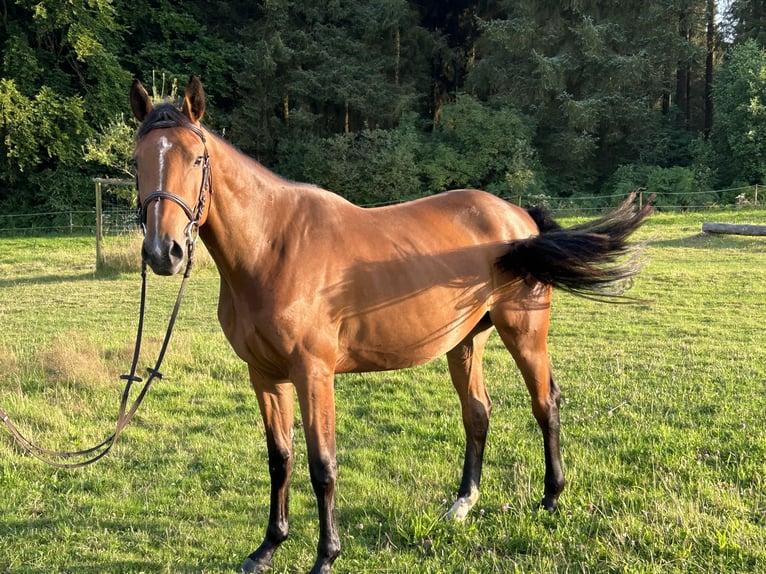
(662, 431)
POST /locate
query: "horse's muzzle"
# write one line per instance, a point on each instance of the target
(164, 256)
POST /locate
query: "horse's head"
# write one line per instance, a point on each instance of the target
(172, 175)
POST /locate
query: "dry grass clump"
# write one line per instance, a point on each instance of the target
(75, 362)
(8, 360)
(9, 367)
(121, 254)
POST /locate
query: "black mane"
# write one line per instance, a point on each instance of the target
(163, 116)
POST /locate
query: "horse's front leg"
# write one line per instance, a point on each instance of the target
(314, 384)
(276, 403)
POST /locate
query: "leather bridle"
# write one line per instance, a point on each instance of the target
(194, 215)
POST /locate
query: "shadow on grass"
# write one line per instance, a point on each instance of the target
(155, 531)
(106, 274)
(704, 240)
(45, 279)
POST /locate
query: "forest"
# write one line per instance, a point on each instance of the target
(387, 100)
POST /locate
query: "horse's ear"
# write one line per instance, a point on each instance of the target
(194, 100)
(140, 102)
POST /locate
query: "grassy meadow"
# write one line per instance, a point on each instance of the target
(663, 434)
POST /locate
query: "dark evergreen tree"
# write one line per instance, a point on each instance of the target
(314, 70)
(748, 20)
(597, 77)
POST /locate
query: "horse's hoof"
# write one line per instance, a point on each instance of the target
(462, 506)
(549, 503)
(250, 566)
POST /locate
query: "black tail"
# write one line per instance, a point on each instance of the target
(592, 260)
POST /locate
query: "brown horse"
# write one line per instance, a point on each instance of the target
(312, 285)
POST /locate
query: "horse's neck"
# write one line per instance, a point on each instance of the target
(248, 205)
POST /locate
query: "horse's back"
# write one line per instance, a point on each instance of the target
(483, 216)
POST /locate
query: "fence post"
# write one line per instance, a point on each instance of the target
(99, 229)
(100, 182)
(755, 196)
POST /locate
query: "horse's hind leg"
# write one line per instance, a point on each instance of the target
(524, 332)
(468, 378)
(276, 404)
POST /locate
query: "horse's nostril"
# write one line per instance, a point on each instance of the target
(176, 251)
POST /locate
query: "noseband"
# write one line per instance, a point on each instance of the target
(194, 215)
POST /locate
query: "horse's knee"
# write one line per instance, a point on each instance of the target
(324, 473)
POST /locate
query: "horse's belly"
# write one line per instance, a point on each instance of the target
(405, 335)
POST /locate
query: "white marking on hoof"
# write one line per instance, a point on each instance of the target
(462, 506)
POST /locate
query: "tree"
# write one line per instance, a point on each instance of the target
(318, 69)
(739, 130)
(177, 39)
(510, 95)
(596, 77)
(61, 76)
(369, 167)
(749, 21)
(453, 25)
(474, 145)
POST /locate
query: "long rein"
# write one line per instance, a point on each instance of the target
(125, 414)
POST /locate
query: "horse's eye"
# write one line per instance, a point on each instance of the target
(198, 161)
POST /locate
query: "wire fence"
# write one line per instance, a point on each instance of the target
(745, 197)
(118, 213)
(116, 220)
(71, 221)
(114, 213)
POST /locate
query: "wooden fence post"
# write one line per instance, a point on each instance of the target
(99, 228)
(101, 182)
